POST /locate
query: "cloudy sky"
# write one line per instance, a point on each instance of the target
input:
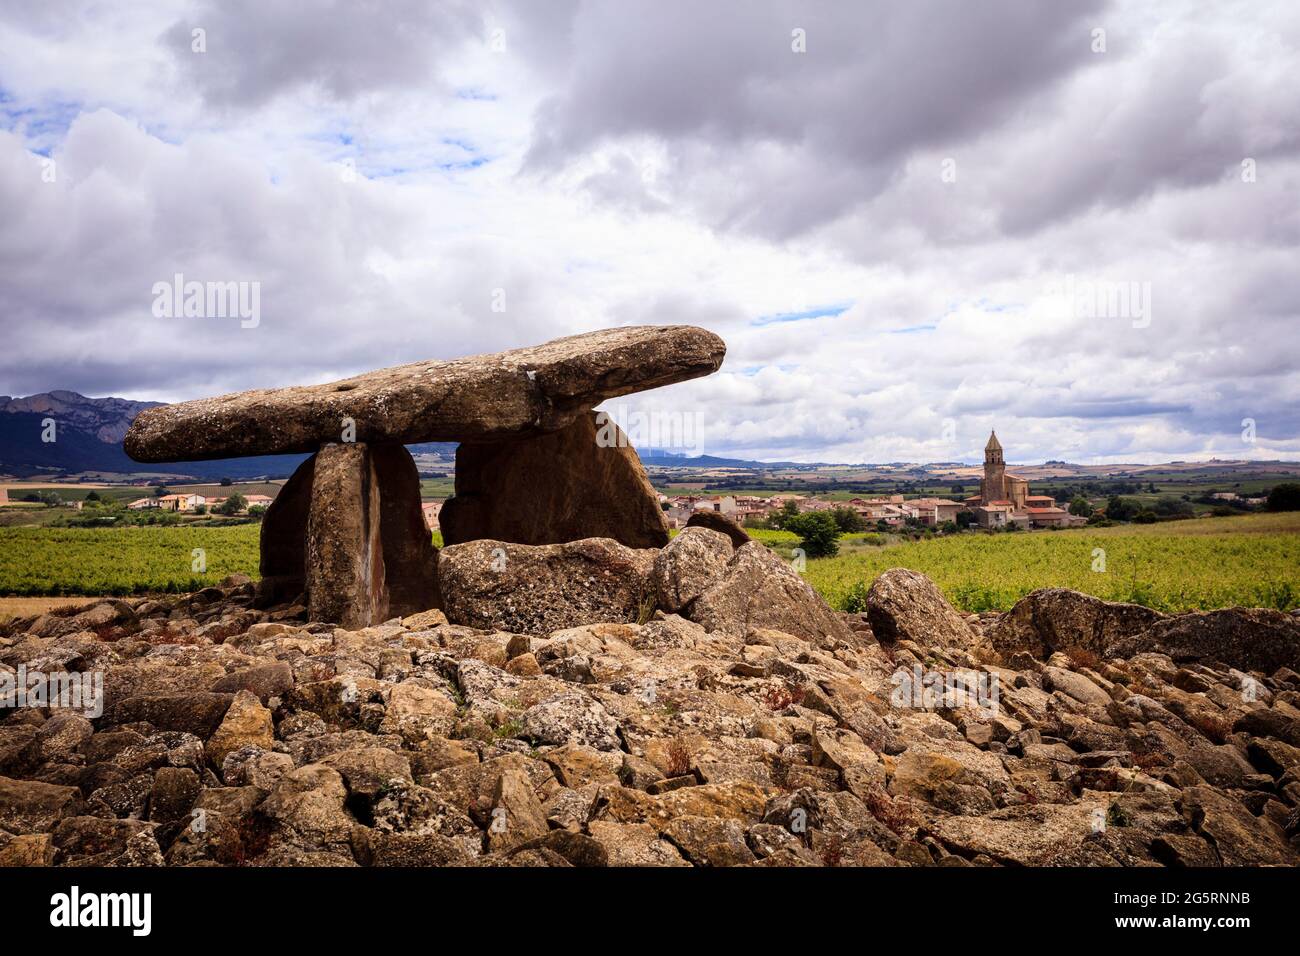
(911, 222)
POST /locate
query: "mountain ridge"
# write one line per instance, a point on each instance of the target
(87, 438)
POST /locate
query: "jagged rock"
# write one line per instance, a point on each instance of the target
(1252, 639)
(528, 589)
(254, 767)
(571, 718)
(1239, 838)
(32, 849)
(195, 713)
(631, 744)
(517, 815)
(759, 590)
(265, 681)
(60, 737)
(709, 841)
(1074, 685)
(690, 564)
(27, 806)
(1055, 619)
(904, 605)
(246, 724)
(92, 841)
(635, 844)
(369, 771)
(1024, 835)
(584, 481)
(307, 808)
(174, 791)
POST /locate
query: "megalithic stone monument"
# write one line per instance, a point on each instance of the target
(535, 465)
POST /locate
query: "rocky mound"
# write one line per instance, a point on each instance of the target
(591, 705)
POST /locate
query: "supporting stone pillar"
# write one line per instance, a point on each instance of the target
(283, 540)
(584, 481)
(345, 556)
(348, 529)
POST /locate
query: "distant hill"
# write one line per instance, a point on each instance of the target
(88, 438)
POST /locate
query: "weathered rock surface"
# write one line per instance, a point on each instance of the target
(759, 590)
(1245, 638)
(1056, 619)
(521, 392)
(345, 574)
(539, 589)
(584, 481)
(418, 743)
(904, 605)
(691, 563)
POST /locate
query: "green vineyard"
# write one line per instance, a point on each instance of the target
(1252, 561)
(1214, 562)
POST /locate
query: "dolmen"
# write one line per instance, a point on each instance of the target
(535, 465)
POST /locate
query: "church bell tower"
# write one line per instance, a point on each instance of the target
(992, 488)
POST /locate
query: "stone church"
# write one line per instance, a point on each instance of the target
(1005, 499)
(998, 487)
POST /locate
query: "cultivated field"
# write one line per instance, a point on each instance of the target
(1180, 565)
(1251, 560)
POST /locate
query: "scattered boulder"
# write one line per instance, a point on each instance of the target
(905, 605)
(246, 724)
(759, 590)
(1251, 639)
(199, 714)
(538, 589)
(571, 718)
(1055, 619)
(28, 806)
(690, 564)
(275, 741)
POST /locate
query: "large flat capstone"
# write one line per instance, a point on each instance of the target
(521, 392)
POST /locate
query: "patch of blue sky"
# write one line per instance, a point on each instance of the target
(988, 305)
(909, 329)
(458, 164)
(818, 312)
(43, 125)
(475, 93)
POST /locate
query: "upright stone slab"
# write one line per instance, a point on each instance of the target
(345, 558)
(584, 481)
(283, 539)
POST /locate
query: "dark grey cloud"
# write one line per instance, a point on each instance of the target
(813, 133)
(256, 51)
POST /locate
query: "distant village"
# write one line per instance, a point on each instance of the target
(1004, 499)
